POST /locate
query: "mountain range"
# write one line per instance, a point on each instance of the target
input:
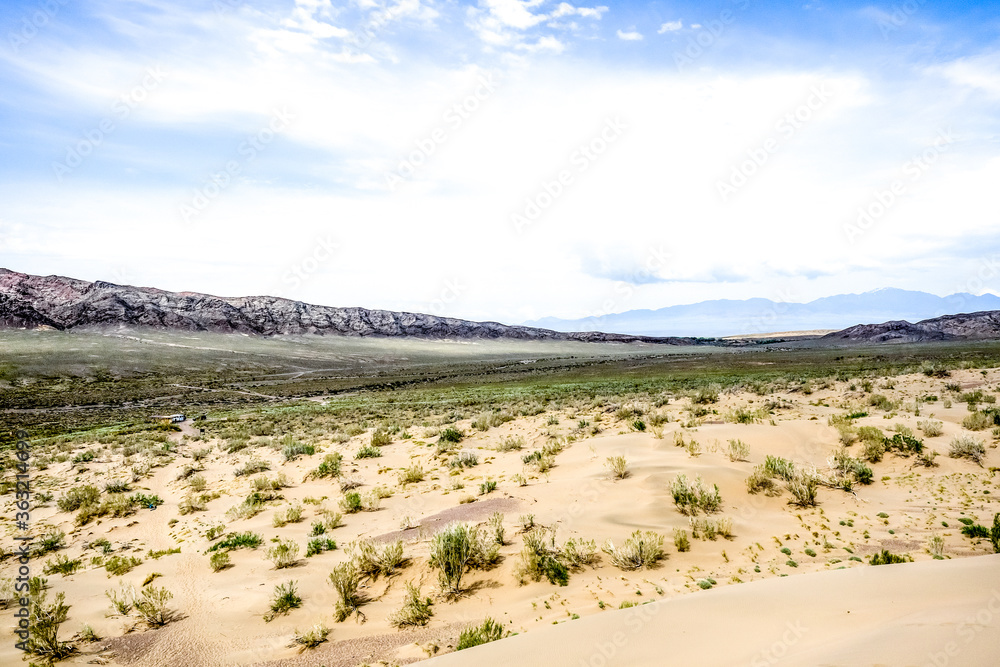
(726, 317)
(57, 302)
(66, 303)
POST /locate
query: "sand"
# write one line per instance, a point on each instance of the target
(899, 614)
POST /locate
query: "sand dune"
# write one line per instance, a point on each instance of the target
(928, 613)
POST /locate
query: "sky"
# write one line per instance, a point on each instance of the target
(503, 159)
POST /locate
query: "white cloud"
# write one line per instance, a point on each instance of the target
(630, 36)
(670, 26)
(505, 23)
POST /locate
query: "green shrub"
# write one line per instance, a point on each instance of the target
(775, 466)
(44, 619)
(351, 502)
(220, 561)
(77, 497)
(62, 565)
(930, 428)
(451, 435)
(345, 581)
(368, 452)
(372, 559)
(681, 540)
(887, 558)
(451, 553)
(319, 545)
(489, 486)
(247, 540)
(283, 600)
(464, 460)
(903, 444)
(975, 531)
(617, 466)
(488, 631)
(121, 565)
(690, 497)
(412, 475)
(283, 554)
(329, 467)
(151, 605)
(995, 533)
(760, 481)
(294, 450)
(415, 611)
(803, 489)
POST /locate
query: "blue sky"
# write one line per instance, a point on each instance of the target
(502, 159)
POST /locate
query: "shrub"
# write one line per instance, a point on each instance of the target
(681, 540)
(464, 460)
(247, 540)
(381, 436)
(803, 489)
(926, 458)
(579, 552)
(44, 619)
(510, 444)
(411, 475)
(451, 435)
(220, 561)
(53, 540)
(294, 450)
(775, 466)
(120, 565)
(345, 581)
(371, 559)
(935, 546)
(329, 467)
(930, 428)
(351, 502)
(967, 447)
(415, 610)
(887, 558)
(151, 605)
(873, 451)
(737, 450)
(495, 525)
(62, 565)
(540, 558)
(197, 483)
(121, 600)
(117, 486)
(291, 514)
(760, 482)
(77, 497)
(881, 402)
(618, 466)
(252, 467)
(975, 531)
(903, 444)
(190, 504)
(283, 600)
(977, 421)
(489, 486)
(710, 529)
(995, 533)
(283, 554)
(319, 545)
(638, 551)
(368, 452)
(537, 460)
(312, 638)
(692, 497)
(488, 631)
(451, 553)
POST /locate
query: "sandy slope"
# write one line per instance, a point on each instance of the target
(930, 613)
